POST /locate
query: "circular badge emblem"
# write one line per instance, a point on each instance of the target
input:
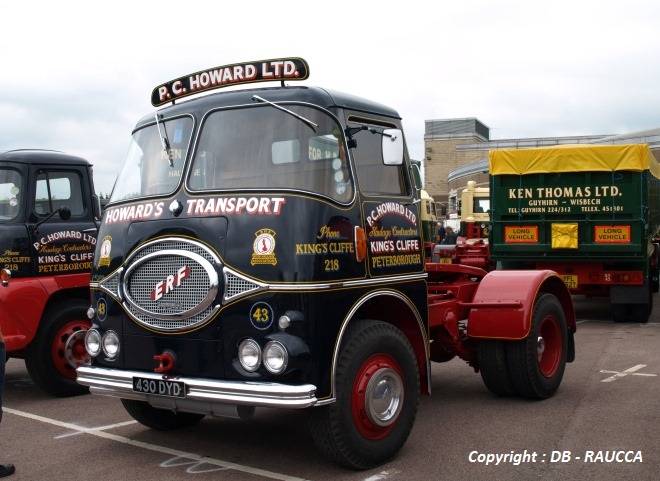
(261, 315)
(264, 244)
(101, 309)
(106, 247)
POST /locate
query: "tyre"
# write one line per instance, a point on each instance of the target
(536, 364)
(493, 368)
(640, 313)
(159, 419)
(620, 312)
(59, 348)
(377, 393)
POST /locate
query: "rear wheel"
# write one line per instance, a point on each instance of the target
(620, 312)
(640, 312)
(493, 368)
(536, 364)
(59, 348)
(377, 392)
(159, 419)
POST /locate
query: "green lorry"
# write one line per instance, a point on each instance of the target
(589, 212)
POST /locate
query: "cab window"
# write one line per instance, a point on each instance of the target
(374, 176)
(56, 189)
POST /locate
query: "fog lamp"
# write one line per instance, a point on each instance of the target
(275, 357)
(110, 344)
(249, 355)
(93, 342)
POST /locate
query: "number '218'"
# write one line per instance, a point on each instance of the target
(331, 265)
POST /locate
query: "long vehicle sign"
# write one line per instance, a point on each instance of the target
(524, 233)
(618, 234)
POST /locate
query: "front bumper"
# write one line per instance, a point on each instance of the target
(205, 396)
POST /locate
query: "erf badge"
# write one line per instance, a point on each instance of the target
(264, 248)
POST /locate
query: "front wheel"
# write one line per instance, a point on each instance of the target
(377, 393)
(536, 364)
(59, 348)
(159, 419)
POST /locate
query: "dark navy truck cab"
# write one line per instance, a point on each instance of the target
(262, 247)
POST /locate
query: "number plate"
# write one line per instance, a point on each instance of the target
(445, 260)
(570, 281)
(160, 387)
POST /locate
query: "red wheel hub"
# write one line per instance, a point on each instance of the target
(377, 396)
(68, 349)
(549, 346)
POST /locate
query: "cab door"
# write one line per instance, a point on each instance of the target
(391, 216)
(62, 244)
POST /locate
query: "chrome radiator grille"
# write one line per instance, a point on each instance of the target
(171, 284)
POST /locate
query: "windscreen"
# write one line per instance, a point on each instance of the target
(11, 195)
(265, 147)
(155, 160)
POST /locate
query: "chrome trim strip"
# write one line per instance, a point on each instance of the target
(226, 272)
(201, 393)
(352, 283)
(297, 287)
(114, 275)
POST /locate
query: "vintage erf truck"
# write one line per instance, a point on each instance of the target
(263, 248)
(49, 217)
(589, 212)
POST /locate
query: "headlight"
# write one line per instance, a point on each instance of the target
(93, 342)
(275, 357)
(249, 355)
(110, 344)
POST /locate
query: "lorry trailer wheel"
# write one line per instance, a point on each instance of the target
(640, 313)
(536, 364)
(59, 348)
(493, 368)
(159, 419)
(377, 393)
(620, 312)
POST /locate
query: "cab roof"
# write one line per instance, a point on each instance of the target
(41, 156)
(307, 94)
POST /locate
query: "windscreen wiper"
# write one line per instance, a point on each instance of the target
(165, 142)
(307, 121)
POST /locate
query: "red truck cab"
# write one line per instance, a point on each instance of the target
(49, 217)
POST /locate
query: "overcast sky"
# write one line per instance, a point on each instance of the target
(77, 75)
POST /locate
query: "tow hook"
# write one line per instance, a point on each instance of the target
(166, 362)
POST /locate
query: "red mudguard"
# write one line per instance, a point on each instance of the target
(503, 305)
(22, 304)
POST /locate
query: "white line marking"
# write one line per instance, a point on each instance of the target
(194, 467)
(153, 447)
(83, 430)
(382, 475)
(631, 371)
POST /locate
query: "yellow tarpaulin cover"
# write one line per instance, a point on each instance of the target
(574, 158)
(564, 236)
